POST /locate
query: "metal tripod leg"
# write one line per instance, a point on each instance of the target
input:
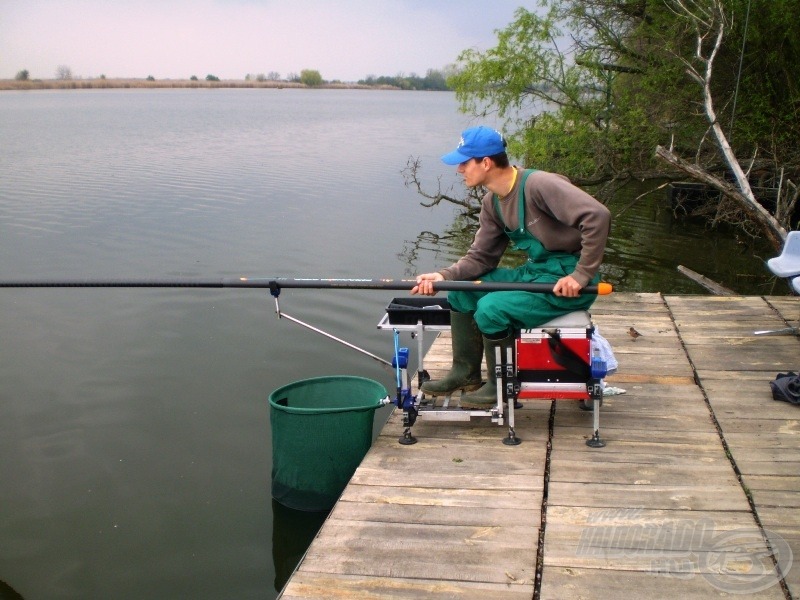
(506, 388)
(596, 390)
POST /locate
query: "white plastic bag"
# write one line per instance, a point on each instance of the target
(601, 347)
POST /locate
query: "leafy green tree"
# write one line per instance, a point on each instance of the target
(23, 75)
(211, 77)
(310, 77)
(591, 88)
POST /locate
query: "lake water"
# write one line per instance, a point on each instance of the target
(134, 431)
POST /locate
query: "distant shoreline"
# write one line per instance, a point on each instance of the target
(101, 84)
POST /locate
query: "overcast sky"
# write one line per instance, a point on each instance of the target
(342, 39)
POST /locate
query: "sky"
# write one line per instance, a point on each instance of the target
(344, 40)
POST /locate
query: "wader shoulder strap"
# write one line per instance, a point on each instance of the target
(520, 202)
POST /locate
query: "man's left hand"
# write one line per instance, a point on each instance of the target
(567, 287)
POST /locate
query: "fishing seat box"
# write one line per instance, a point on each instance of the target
(409, 311)
(543, 375)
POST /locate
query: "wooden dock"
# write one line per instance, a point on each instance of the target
(696, 495)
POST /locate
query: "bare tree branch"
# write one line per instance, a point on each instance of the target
(709, 22)
(470, 203)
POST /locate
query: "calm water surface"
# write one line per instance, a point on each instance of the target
(134, 434)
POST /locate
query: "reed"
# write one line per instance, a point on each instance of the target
(101, 83)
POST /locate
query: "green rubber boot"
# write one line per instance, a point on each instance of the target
(486, 396)
(465, 374)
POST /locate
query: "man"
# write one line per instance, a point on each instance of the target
(562, 229)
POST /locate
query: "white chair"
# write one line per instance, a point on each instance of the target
(787, 265)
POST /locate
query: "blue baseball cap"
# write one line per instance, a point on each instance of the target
(476, 142)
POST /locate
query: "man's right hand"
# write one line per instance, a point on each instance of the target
(425, 284)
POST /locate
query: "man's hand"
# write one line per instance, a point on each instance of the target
(425, 284)
(567, 287)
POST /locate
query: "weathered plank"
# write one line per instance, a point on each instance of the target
(685, 497)
(709, 284)
(561, 582)
(313, 586)
(427, 514)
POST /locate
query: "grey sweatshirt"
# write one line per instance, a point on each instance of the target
(560, 215)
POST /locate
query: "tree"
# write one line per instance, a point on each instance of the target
(310, 77)
(592, 87)
(23, 75)
(211, 77)
(709, 23)
(63, 72)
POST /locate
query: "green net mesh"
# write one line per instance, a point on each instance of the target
(321, 430)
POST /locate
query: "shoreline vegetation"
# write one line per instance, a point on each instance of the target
(102, 83)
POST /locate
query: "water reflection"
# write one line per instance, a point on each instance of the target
(8, 593)
(292, 533)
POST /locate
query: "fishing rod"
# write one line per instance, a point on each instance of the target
(275, 284)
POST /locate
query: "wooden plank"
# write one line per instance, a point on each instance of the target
(685, 497)
(788, 308)
(313, 586)
(628, 377)
(784, 499)
(637, 474)
(631, 455)
(777, 518)
(680, 443)
(561, 582)
(742, 375)
(709, 284)
(789, 427)
(428, 496)
(585, 516)
(729, 337)
(457, 553)
(437, 515)
(661, 425)
(688, 561)
(498, 480)
(690, 303)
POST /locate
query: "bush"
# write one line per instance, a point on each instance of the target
(310, 77)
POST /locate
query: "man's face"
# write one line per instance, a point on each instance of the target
(473, 170)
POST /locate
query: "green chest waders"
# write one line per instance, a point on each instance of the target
(497, 312)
